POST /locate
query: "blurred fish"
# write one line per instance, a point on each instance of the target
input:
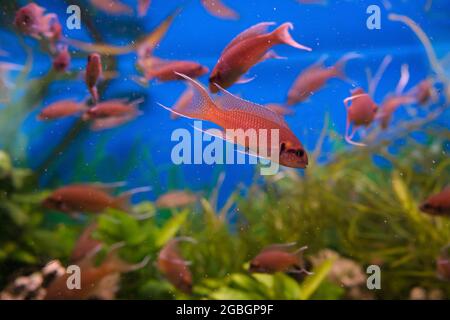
(315, 77)
(61, 109)
(142, 7)
(218, 9)
(61, 61)
(424, 92)
(279, 109)
(93, 73)
(113, 108)
(89, 198)
(112, 122)
(183, 102)
(247, 49)
(91, 275)
(172, 265)
(278, 258)
(85, 244)
(114, 7)
(235, 113)
(31, 20)
(164, 70)
(437, 204)
(360, 113)
(176, 199)
(443, 264)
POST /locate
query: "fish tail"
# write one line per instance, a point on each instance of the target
(114, 263)
(282, 35)
(200, 105)
(94, 94)
(123, 201)
(339, 66)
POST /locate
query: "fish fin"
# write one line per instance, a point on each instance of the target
(183, 101)
(122, 202)
(283, 35)
(243, 80)
(108, 187)
(230, 102)
(271, 54)
(251, 32)
(112, 259)
(142, 81)
(218, 9)
(94, 94)
(339, 66)
(280, 246)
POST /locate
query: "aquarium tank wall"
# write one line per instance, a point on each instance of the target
(217, 150)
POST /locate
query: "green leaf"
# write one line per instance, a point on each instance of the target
(312, 282)
(171, 228)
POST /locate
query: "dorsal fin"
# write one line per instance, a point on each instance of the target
(251, 32)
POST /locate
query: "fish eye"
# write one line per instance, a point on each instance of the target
(300, 153)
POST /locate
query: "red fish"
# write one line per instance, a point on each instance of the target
(315, 77)
(91, 275)
(89, 198)
(424, 92)
(112, 122)
(165, 70)
(360, 113)
(218, 9)
(277, 258)
(61, 61)
(390, 105)
(93, 73)
(176, 199)
(61, 109)
(114, 7)
(174, 267)
(234, 113)
(246, 50)
(31, 20)
(437, 204)
(85, 244)
(112, 108)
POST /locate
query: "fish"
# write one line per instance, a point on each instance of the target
(61, 61)
(217, 9)
(165, 70)
(112, 122)
(248, 49)
(92, 275)
(315, 77)
(85, 244)
(234, 113)
(437, 204)
(279, 109)
(183, 102)
(424, 92)
(172, 265)
(114, 7)
(390, 105)
(443, 264)
(278, 258)
(176, 199)
(361, 112)
(142, 7)
(113, 108)
(88, 198)
(31, 20)
(93, 73)
(61, 109)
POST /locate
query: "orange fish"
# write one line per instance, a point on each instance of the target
(438, 204)
(314, 78)
(246, 50)
(172, 265)
(218, 9)
(91, 275)
(89, 198)
(85, 244)
(360, 113)
(62, 60)
(443, 264)
(176, 199)
(142, 7)
(183, 102)
(114, 7)
(112, 108)
(165, 70)
(32, 21)
(112, 122)
(93, 73)
(61, 109)
(234, 113)
(424, 92)
(278, 258)
(390, 105)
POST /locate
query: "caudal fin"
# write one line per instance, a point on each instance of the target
(282, 35)
(339, 66)
(123, 201)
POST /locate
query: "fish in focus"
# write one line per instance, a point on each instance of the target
(61, 61)
(61, 109)
(361, 112)
(114, 7)
(234, 113)
(113, 108)
(437, 204)
(247, 49)
(85, 244)
(88, 198)
(172, 265)
(278, 258)
(92, 276)
(176, 199)
(218, 9)
(93, 73)
(164, 70)
(315, 77)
